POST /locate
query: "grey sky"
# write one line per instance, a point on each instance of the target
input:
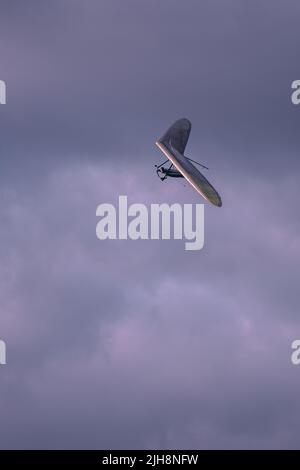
(141, 344)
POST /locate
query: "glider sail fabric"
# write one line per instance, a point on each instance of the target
(173, 144)
(178, 135)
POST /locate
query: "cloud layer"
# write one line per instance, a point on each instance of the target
(122, 344)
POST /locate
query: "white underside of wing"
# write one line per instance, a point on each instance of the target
(180, 168)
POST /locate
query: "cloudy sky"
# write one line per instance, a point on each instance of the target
(141, 344)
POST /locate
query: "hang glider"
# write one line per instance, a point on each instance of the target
(173, 144)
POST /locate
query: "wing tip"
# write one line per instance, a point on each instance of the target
(219, 202)
(184, 121)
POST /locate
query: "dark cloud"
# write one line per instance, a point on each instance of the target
(142, 344)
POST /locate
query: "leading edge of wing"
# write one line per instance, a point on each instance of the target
(191, 174)
(177, 135)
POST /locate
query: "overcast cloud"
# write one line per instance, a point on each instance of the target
(141, 344)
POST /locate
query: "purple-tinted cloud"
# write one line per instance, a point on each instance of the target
(114, 344)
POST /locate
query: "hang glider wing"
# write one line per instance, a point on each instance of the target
(178, 135)
(172, 144)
